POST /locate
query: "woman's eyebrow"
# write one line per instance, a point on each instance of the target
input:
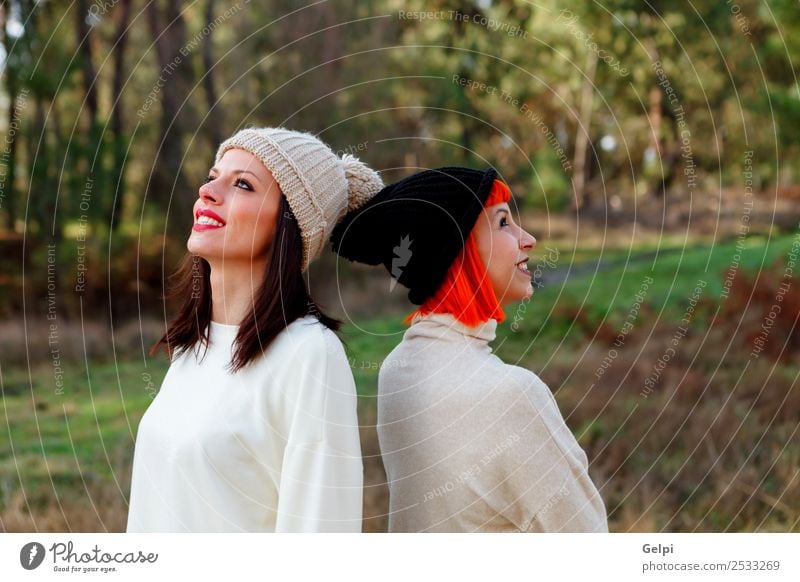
(214, 169)
(499, 210)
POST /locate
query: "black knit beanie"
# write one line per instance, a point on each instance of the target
(416, 227)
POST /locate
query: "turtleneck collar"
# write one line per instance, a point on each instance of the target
(445, 325)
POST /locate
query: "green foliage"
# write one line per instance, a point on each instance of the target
(548, 188)
(373, 78)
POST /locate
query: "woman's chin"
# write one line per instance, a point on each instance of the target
(520, 295)
(528, 291)
(197, 248)
(516, 296)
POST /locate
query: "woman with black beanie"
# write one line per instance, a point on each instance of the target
(469, 442)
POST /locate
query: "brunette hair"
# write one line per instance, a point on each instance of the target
(466, 292)
(281, 298)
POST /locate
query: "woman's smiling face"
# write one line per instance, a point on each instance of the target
(236, 210)
(503, 247)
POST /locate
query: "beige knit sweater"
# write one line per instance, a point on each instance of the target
(470, 443)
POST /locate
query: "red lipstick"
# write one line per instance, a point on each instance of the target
(208, 226)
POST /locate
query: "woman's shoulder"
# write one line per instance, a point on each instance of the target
(307, 336)
(515, 381)
(306, 354)
(525, 377)
(307, 326)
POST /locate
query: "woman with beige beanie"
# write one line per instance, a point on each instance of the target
(257, 431)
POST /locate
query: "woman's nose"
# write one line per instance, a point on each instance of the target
(208, 194)
(526, 241)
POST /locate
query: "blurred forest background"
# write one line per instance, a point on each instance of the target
(643, 141)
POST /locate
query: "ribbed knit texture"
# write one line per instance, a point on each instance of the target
(417, 226)
(319, 186)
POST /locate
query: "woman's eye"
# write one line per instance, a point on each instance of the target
(503, 222)
(208, 179)
(246, 186)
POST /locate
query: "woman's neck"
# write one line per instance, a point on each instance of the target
(233, 287)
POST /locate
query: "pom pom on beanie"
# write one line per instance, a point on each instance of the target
(362, 182)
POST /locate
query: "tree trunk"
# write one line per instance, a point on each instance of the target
(87, 62)
(583, 132)
(117, 115)
(655, 116)
(8, 200)
(167, 187)
(215, 112)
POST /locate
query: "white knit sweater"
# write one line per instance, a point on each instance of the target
(274, 447)
(470, 443)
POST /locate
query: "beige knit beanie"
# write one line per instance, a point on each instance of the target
(319, 186)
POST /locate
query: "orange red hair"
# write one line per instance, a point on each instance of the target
(466, 292)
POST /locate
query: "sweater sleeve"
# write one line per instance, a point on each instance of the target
(321, 478)
(546, 486)
(581, 510)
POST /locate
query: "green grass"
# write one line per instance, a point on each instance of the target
(56, 435)
(610, 293)
(675, 271)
